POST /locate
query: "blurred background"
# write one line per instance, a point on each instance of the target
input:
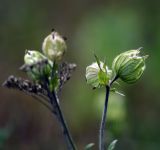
(107, 27)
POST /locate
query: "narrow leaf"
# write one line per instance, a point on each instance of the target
(114, 90)
(89, 146)
(112, 145)
(97, 60)
(104, 65)
(121, 94)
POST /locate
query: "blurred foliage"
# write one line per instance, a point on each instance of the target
(104, 27)
(4, 135)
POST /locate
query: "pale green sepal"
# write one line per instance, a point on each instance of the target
(103, 78)
(97, 75)
(37, 72)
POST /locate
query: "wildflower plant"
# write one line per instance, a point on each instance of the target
(47, 77)
(48, 74)
(128, 66)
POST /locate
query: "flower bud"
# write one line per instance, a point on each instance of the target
(54, 46)
(98, 75)
(37, 71)
(32, 57)
(129, 66)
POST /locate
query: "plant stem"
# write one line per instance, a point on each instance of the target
(103, 121)
(52, 95)
(54, 101)
(114, 79)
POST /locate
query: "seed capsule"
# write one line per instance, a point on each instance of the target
(54, 46)
(129, 66)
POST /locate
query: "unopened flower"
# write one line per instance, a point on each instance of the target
(33, 59)
(129, 66)
(54, 46)
(98, 75)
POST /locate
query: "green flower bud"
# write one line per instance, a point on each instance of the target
(54, 46)
(129, 66)
(98, 75)
(36, 72)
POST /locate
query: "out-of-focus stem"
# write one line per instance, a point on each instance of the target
(60, 117)
(52, 95)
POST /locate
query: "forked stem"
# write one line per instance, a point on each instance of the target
(52, 95)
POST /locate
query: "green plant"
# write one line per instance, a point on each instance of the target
(47, 75)
(128, 67)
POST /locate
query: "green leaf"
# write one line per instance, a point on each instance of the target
(112, 145)
(114, 90)
(89, 146)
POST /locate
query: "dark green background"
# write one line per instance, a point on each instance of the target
(105, 27)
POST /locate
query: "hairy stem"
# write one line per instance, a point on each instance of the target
(103, 121)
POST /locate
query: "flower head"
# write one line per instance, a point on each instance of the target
(98, 74)
(129, 66)
(33, 59)
(54, 46)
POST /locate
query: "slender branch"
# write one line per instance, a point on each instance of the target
(103, 121)
(104, 116)
(58, 113)
(114, 79)
(60, 117)
(43, 93)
